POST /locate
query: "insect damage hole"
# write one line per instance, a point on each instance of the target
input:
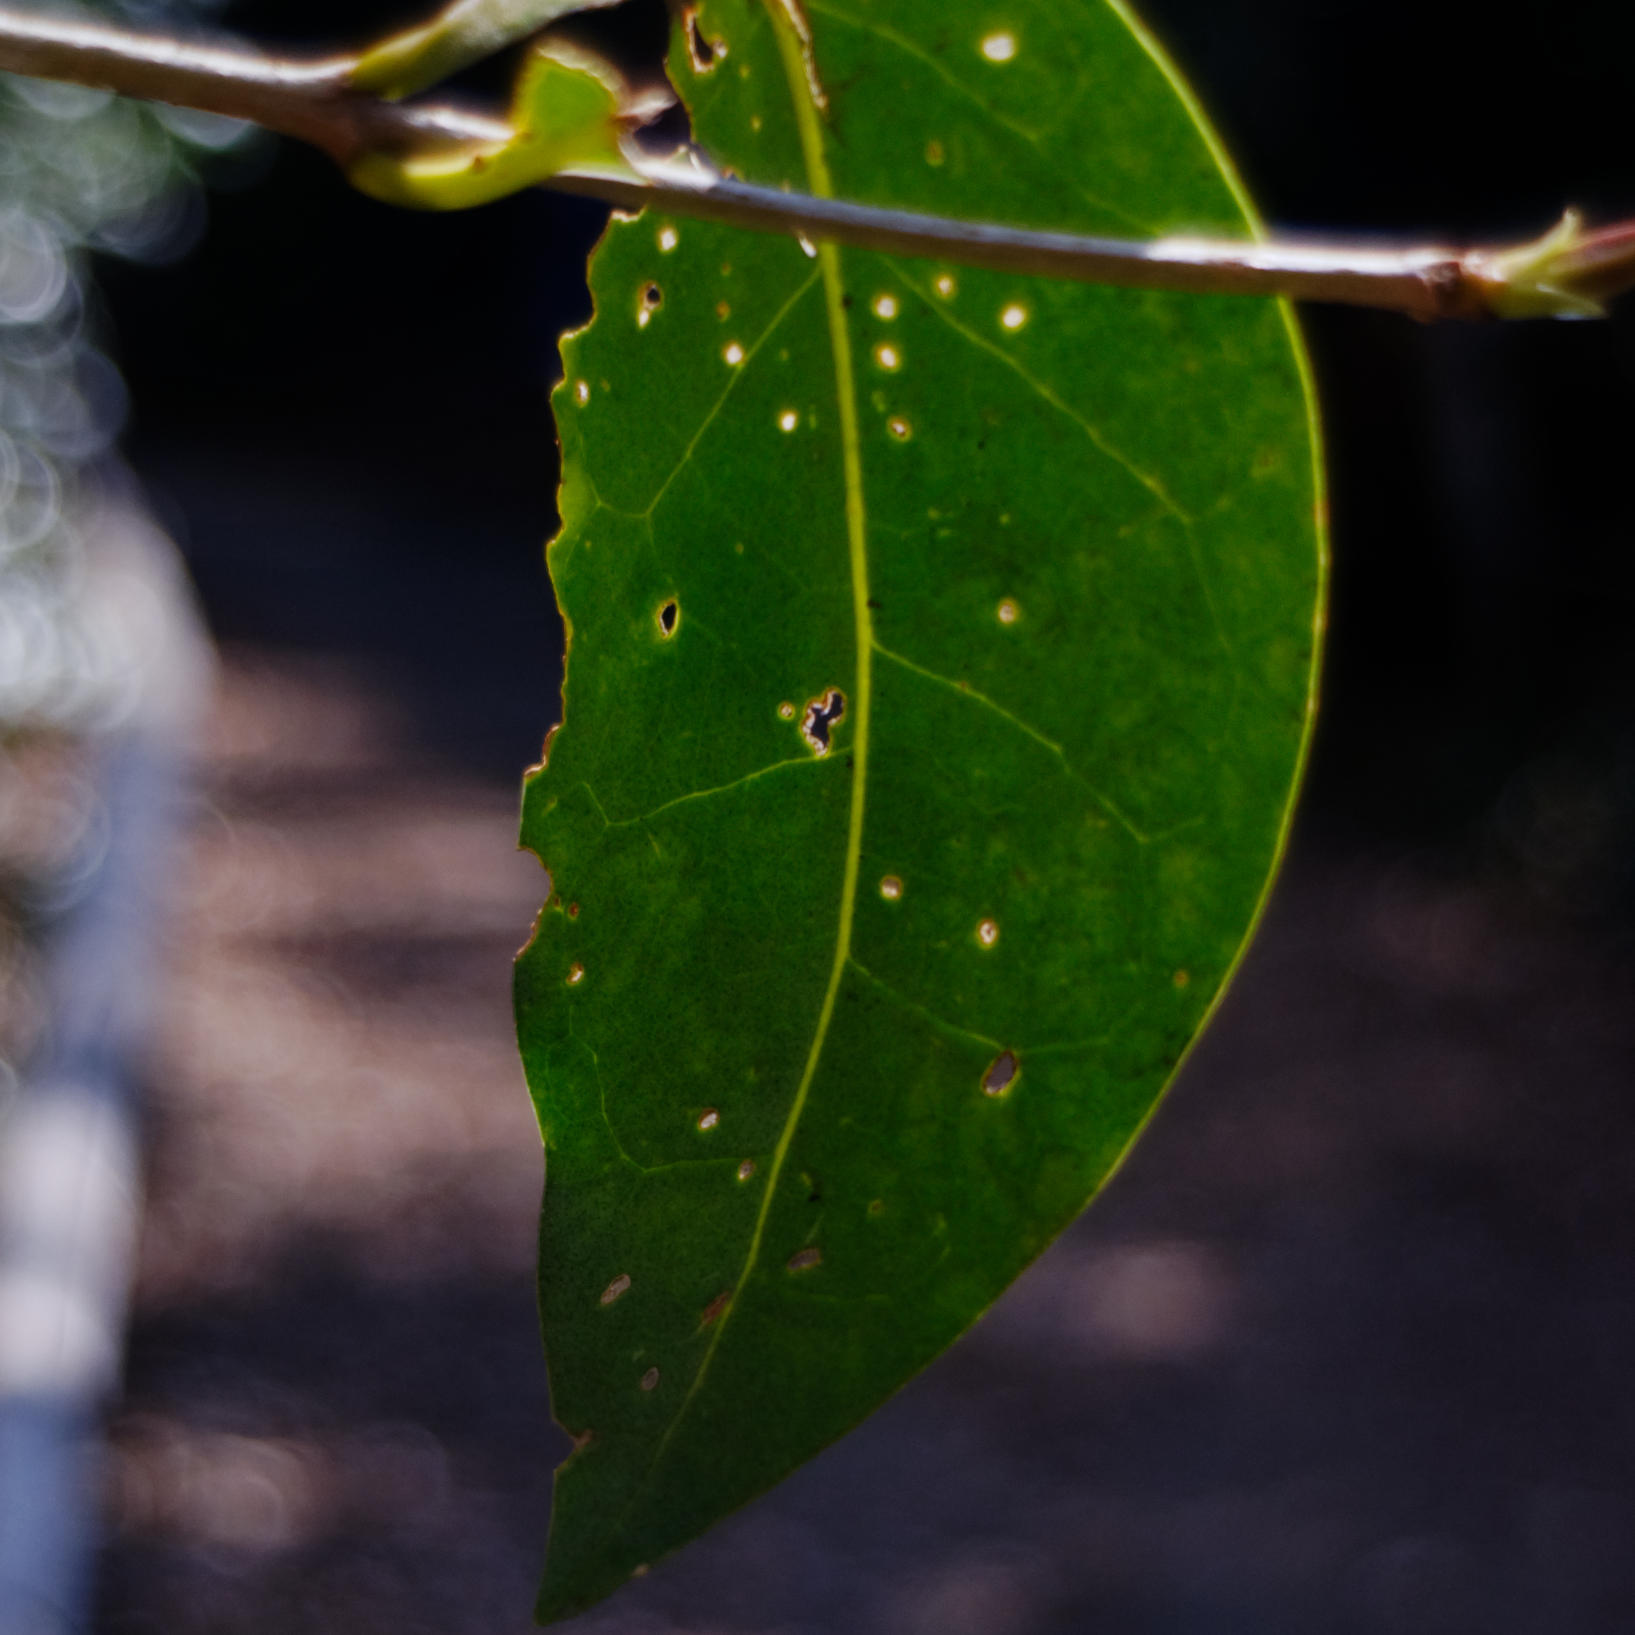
(987, 933)
(818, 723)
(615, 1288)
(650, 300)
(1001, 1074)
(804, 1259)
(708, 1119)
(704, 53)
(891, 888)
(669, 616)
(746, 1169)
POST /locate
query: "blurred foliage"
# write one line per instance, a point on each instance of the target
(80, 172)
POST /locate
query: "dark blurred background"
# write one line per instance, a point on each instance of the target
(1370, 1278)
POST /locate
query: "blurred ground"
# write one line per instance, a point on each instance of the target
(1346, 1346)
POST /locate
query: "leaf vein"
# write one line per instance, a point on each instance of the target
(977, 696)
(1098, 439)
(923, 1012)
(1034, 139)
(737, 373)
(706, 794)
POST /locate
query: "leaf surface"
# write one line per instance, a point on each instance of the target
(827, 1046)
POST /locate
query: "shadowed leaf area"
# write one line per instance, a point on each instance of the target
(941, 647)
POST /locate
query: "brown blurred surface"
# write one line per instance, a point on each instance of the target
(1345, 1347)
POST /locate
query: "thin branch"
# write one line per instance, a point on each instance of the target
(1567, 273)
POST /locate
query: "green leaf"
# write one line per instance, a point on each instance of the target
(826, 1047)
(460, 34)
(567, 112)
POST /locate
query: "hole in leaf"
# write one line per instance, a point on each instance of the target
(576, 974)
(581, 391)
(803, 1259)
(899, 428)
(733, 353)
(888, 358)
(891, 888)
(1008, 611)
(700, 50)
(821, 715)
(615, 1288)
(718, 1305)
(1002, 1074)
(987, 933)
(708, 1119)
(885, 306)
(999, 47)
(669, 238)
(945, 286)
(669, 616)
(807, 247)
(1014, 316)
(787, 711)
(653, 296)
(788, 420)
(746, 1169)
(650, 1379)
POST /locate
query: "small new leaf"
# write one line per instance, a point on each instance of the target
(570, 111)
(460, 34)
(1568, 273)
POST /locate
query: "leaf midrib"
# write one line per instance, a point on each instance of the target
(820, 183)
